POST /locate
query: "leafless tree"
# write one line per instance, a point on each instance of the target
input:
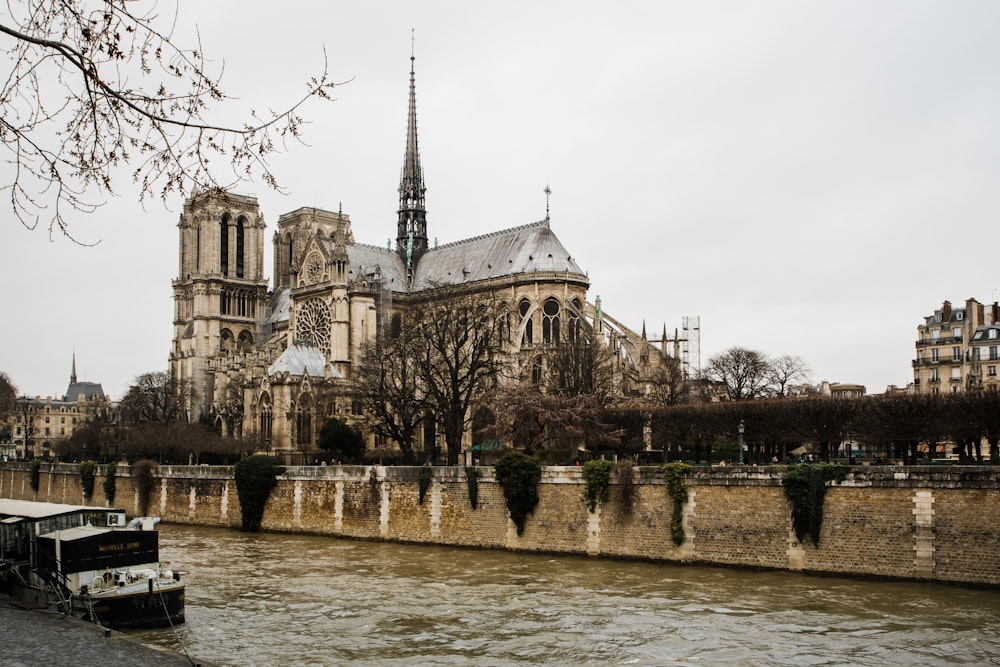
(744, 373)
(390, 386)
(787, 370)
(550, 426)
(583, 366)
(667, 385)
(459, 340)
(156, 398)
(93, 85)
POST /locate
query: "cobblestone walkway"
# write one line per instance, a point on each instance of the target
(31, 637)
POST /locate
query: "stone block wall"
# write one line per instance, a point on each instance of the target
(908, 523)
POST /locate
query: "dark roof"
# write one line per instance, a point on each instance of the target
(86, 390)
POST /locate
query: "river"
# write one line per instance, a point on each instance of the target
(269, 599)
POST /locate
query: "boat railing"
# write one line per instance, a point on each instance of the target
(49, 570)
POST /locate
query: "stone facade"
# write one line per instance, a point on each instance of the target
(928, 524)
(271, 364)
(958, 349)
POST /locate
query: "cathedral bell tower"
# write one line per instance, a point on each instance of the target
(411, 229)
(220, 289)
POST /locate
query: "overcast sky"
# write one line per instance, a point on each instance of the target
(809, 178)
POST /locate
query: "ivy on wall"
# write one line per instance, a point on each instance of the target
(142, 473)
(255, 477)
(472, 478)
(674, 475)
(35, 474)
(805, 488)
(518, 475)
(626, 487)
(87, 479)
(597, 474)
(109, 483)
(426, 476)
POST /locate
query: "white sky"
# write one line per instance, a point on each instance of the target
(810, 178)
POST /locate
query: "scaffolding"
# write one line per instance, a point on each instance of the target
(691, 346)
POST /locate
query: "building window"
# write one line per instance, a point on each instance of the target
(993, 352)
(991, 371)
(992, 333)
(956, 353)
(550, 322)
(523, 309)
(240, 223)
(934, 355)
(224, 245)
(956, 373)
(934, 375)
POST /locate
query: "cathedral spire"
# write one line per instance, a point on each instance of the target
(412, 222)
(72, 373)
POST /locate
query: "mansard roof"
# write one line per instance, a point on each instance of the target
(519, 250)
(300, 358)
(87, 390)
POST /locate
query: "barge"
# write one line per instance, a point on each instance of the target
(88, 560)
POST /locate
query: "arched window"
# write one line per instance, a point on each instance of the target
(550, 322)
(536, 371)
(523, 309)
(574, 322)
(303, 423)
(395, 326)
(240, 249)
(266, 420)
(245, 341)
(224, 245)
(226, 342)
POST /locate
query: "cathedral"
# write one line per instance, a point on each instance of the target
(272, 363)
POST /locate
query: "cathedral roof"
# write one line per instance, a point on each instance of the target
(300, 358)
(365, 259)
(519, 250)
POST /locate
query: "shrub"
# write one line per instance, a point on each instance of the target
(518, 475)
(35, 474)
(143, 479)
(472, 478)
(87, 479)
(597, 473)
(255, 477)
(674, 476)
(109, 483)
(426, 476)
(805, 488)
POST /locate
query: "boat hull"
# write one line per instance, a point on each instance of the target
(136, 607)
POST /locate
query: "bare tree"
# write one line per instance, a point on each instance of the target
(156, 398)
(786, 370)
(92, 86)
(583, 366)
(389, 383)
(551, 426)
(459, 341)
(667, 385)
(744, 373)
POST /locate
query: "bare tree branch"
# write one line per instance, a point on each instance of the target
(95, 85)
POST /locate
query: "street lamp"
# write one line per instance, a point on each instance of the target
(741, 428)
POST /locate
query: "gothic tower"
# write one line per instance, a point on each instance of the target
(220, 289)
(411, 229)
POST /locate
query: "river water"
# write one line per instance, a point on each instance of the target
(265, 599)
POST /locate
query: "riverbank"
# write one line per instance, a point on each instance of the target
(42, 637)
(920, 523)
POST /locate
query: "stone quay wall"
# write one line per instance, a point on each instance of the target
(919, 523)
